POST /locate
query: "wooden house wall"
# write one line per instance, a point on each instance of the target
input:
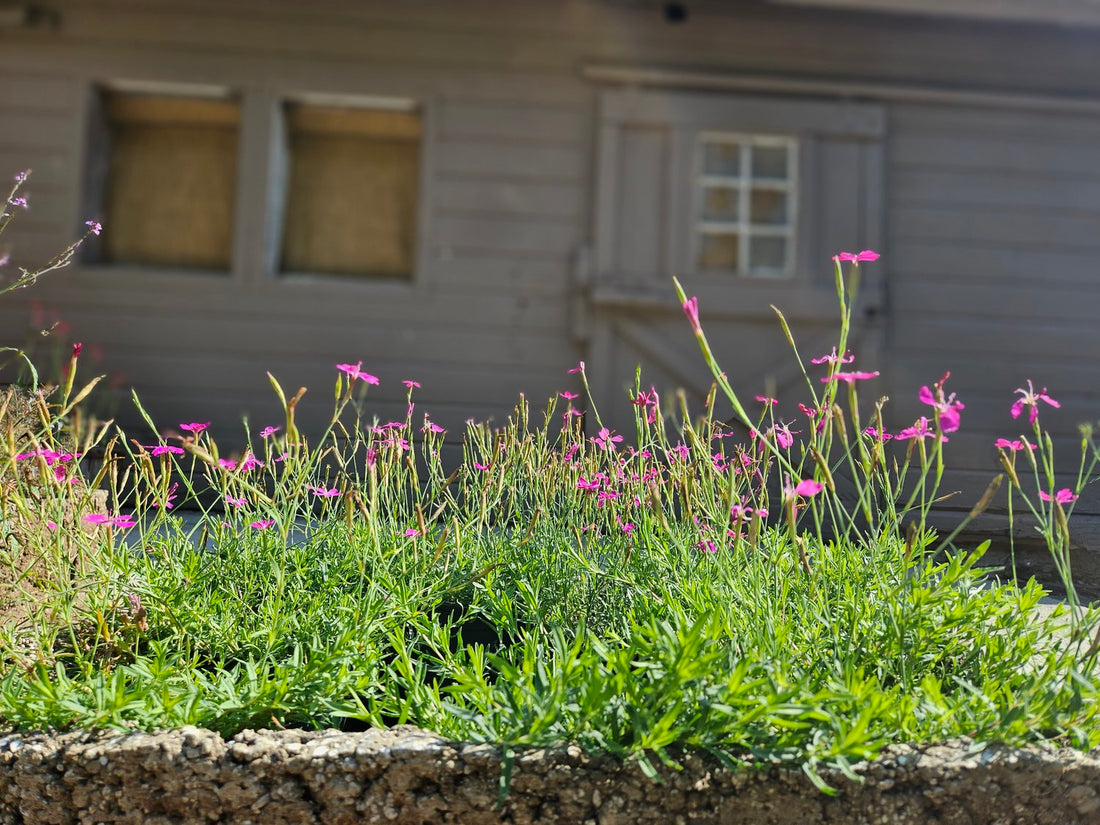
(991, 212)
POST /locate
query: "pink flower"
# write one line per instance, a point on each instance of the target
(431, 427)
(262, 524)
(250, 462)
(807, 487)
(194, 427)
(236, 502)
(1063, 496)
(706, 545)
(410, 384)
(354, 373)
(1016, 445)
(766, 401)
(833, 358)
(856, 258)
(412, 532)
(19, 201)
(161, 449)
(569, 396)
(582, 484)
(783, 434)
(605, 495)
(267, 432)
(77, 349)
(1030, 399)
(578, 368)
(648, 401)
(122, 522)
(691, 310)
(168, 502)
(95, 227)
(919, 430)
(947, 408)
(850, 377)
(874, 433)
(323, 492)
(482, 467)
(227, 464)
(606, 440)
(21, 177)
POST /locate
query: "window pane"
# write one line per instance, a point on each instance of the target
(769, 162)
(721, 158)
(720, 203)
(169, 194)
(719, 251)
(352, 191)
(768, 206)
(767, 255)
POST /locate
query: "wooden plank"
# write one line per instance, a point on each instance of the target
(1015, 228)
(342, 342)
(1006, 153)
(537, 124)
(459, 195)
(1027, 189)
(656, 108)
(991, 336)
(944, 295)
(163, 367)
(30, 91)
(839, 208)
(990, 262)
(51, 171)
(640, 221)
(506, 235)
(36, 131)
(450, 306)
(514, 160)
(986, 123)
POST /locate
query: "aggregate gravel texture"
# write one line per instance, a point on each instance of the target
(405, 775)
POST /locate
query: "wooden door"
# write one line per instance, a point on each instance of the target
(700, 186)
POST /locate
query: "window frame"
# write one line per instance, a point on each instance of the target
(745, 182)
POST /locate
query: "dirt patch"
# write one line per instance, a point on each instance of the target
(404, 775)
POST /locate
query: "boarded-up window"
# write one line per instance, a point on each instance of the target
(351, 196)
(168, 194)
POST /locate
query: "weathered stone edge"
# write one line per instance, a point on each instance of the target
(405, 775)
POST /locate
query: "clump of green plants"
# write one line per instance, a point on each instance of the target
(768, 598)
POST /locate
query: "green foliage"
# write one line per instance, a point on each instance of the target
(691, 591)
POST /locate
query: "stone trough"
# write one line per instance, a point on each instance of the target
(404, 775)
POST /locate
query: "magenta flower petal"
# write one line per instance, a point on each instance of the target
(808, 487)
(354, 373)
(1063, 496)
(857, 257)
(691, 309)
(850, 377)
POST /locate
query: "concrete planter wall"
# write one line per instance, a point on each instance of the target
(409, 776)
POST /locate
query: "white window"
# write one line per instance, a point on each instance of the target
(746, 195)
